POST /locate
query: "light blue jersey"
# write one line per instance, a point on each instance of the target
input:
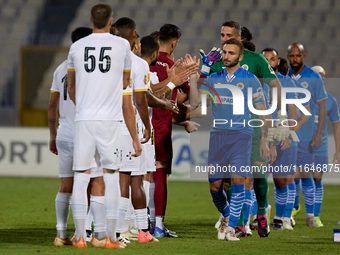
(241, 79)
(312, 81)
(334, 115)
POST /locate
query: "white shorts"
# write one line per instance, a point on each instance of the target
(103, 137)
(96, 172)
(65, 158)
(150, 158)
(130, 163)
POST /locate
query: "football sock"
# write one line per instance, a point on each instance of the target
(112, 195)
(152, 205)
(220, 201)
(280, 198)
(160, 222)
(240, 222)
(160, 193)
(123, 208)
(255, 207)
(261, 191)
(79, 203)
(297, 194)
(62, 208)
(318, 198)
(89, 219)
(146, 186)
(142, 219)
(308, 190)
(236, 203)
(98, 209)
(290, 201)
(248, 201)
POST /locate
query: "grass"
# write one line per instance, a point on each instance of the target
(27, 224)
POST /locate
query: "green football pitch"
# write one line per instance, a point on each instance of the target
(27, 224)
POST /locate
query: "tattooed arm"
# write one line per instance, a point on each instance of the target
(52, 120)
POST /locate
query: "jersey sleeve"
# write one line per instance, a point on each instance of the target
(319, 91)
(141, 79)
(128, 90)
(55, 87)
(185, 87)
(334, 113)
(70, 59)
(258, 96)
(128, 61)
(266, 72)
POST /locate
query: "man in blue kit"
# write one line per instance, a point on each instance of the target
(321, 153)
(231, 135)
(309, 138)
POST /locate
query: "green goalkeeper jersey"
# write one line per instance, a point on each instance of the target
(254, 63)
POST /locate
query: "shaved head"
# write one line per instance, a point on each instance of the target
(296, 55)
(299, 46)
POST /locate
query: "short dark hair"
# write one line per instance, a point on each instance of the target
(101, 14)
(114, 31)
(233, 24)
(270, 49)
(155, 34)
(236, 42)
(80, 32)
(149, 44)
(283, 66)
(125, 26)
(169, 32)
(246, 34)
(249, 45)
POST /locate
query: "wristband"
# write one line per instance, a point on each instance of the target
(171, 86)
(205, 70)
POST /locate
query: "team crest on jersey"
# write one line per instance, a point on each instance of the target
(130, 83)
(146, 78)
(240, 85)
(305, 84)
(246, 67)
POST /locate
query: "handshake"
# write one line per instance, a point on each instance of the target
(281, 131)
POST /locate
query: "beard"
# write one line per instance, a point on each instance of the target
(296, 67)
(232, 64)
(275, 68)
(153, 63)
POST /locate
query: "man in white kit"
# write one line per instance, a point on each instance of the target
(96, 65)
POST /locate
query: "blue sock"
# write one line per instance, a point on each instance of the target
(297, 194)
(236, 203)
(280, 198)
(220, 201)
(290, 201)
(248, 201)
(255, 207)
(308, 190)
(318, 198)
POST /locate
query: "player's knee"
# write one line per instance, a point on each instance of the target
(216, 186)
(66, 185)
(317, 179)
(249, 183)
(280, 182)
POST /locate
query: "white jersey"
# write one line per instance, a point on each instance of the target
(66, 107)
(140, 81)
(99, 61)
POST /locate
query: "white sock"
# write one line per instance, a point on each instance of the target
(112, 195)
(79, 203)
(89, 219)
(62, 208)
(132, 215)
(142, 219)
(146, 186)
(123, 207)
(160, 222)
(98, 209)
(152, 205)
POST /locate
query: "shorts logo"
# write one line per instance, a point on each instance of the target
(246, 67)
(240, 85)
(130, 83)
(305, 84)
(146, 78)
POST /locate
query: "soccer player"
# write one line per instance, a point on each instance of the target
(96, 66)
(230, 145)
(321, 153)
(61, 141)
(286, 150)
(259, 66)
(309, 139)
(133, 169)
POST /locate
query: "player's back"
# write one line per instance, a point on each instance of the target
(66, 106)
(99, 61)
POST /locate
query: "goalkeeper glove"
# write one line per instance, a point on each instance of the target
(208, 60)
